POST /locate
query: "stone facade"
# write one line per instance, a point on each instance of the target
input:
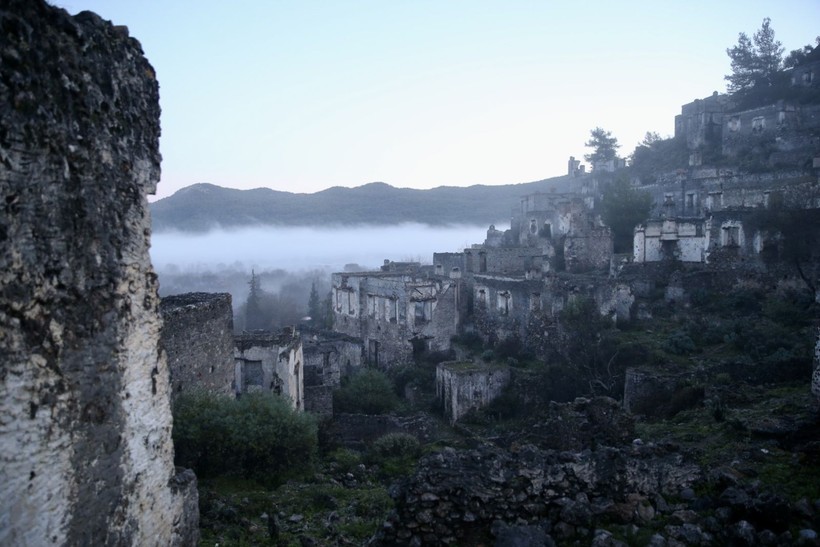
(270, 362)
(465, 386)
(197, 336)
(87, 456)
(787, 128)
(396, 313)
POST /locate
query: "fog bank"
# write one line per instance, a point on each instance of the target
(302, 248)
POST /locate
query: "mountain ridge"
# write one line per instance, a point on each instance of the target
(204, 206)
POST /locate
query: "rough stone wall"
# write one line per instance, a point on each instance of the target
(589, 250)
(462, 387)
(197, 336)
(456, 496)
(87, 457)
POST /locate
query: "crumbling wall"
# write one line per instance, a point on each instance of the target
(588, 249)
(462, 387)
(197, 336)
(87, 457)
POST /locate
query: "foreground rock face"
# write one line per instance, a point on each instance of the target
(85, 424)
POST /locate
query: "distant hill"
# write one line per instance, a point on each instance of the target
(200, 207)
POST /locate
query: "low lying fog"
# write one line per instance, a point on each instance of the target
(296, 249)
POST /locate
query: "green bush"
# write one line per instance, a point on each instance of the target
(258, 436)
(395, 445)
(396, 454)
(679, 343)
(368, 392)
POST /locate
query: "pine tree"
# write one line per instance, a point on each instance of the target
(253, 306)
(315, 307)
(755, 62)
(603, 145)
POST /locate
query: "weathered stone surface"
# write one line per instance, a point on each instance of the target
(85, 422)
(571, 489)
(197, 336)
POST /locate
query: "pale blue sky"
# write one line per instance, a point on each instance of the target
(304, 95)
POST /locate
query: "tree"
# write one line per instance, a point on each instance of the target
(755, 62)
(603, 145)
(797, 56)
(314, 305)
(254, 318)
(622, 207)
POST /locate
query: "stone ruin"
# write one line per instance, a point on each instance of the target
(465, 386)
(87, 456)
(197, 336)
(270, 362)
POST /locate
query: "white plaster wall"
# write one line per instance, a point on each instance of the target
(691, 249)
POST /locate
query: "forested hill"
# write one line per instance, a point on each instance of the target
(203, 206)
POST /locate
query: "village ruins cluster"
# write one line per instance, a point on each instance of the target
(556, 251)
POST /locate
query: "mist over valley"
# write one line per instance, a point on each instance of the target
(289, 260)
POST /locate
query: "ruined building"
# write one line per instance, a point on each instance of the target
(86, 456)
(396, 313)
(406, 309)
(268, 362)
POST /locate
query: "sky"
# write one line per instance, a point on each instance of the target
(300, 96)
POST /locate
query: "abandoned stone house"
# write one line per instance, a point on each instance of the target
(396, 313)
(465, 386)
(788, 128)
(269, 362)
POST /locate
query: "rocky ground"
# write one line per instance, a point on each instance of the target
(582, 473)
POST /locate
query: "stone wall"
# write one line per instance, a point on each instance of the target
(197, 336)
(87, 456)
(465, 386)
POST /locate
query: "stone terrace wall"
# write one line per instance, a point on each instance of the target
(197, 336)
(85, 426)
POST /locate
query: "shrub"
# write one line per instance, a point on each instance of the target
(258, 436)
(368, 392)
(679, 343)
(395, 445)
(395, 453)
